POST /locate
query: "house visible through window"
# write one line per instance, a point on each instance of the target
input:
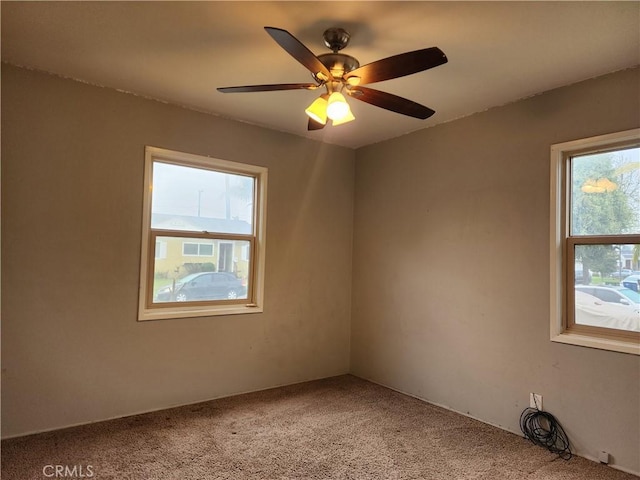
(595, 242)
(203, 236)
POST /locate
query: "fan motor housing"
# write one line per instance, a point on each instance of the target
(338, 63)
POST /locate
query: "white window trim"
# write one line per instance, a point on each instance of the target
(162, 253)
(558, 227)
(260, 221)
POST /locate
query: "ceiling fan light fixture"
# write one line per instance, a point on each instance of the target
(353, 81)
(336, 71)
(338, 108)
(347, 118)
(318, 109)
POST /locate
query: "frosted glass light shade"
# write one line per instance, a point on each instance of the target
(337, 107)
(347, 118)
(318, 109)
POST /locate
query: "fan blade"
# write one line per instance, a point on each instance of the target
(399, 65)
(297, 50)
(391, 102)
(313, 125)
(269, 88)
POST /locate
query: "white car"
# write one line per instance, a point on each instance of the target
(622, 295)
(591, 310)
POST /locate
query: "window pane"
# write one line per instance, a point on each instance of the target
(611, 298)
(220, 272)
(197, 200)
(605, 193)
(190, 249)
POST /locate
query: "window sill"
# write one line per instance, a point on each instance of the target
(168, 313)
(597, 342)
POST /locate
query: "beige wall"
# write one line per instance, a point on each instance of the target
(451, 269)
(72, 187)
(450, 264)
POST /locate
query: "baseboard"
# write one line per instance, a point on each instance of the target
(142, 412)
(583, 455)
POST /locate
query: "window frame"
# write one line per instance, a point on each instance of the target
(254, 303)
(562, 272)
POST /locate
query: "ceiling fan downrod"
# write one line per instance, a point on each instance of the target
(338, 64)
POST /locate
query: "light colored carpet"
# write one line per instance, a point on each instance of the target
(337, 428)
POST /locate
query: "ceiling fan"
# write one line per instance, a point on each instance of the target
(340, 73)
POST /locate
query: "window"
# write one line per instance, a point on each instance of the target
(595, 242)
(161, 250)
(197, 249)
(203, 241)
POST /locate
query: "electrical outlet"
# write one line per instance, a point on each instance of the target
(603, 457)
(535, 400)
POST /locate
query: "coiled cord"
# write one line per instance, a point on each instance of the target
(544, 430)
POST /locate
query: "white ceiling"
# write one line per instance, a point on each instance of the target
(180, 52)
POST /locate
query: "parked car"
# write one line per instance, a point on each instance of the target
(632, 282)
(591, 310)
(620, 295)
(203, 286)
(579, 278)
(625, 272)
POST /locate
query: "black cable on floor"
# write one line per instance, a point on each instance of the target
(544, 430)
